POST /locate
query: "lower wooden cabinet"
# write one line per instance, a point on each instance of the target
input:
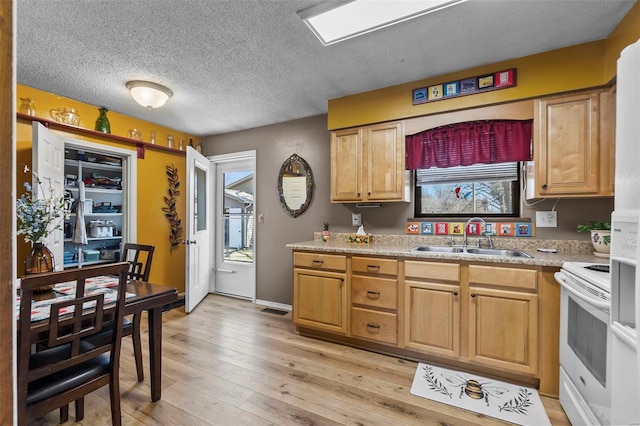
(432, 318)
(503, 329)
(485, 316)
(320, 299)
(374, 325)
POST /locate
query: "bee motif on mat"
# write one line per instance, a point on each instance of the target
(474, 389)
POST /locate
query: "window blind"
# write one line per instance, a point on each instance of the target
(474, 173)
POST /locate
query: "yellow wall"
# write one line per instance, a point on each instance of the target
(153, 228)
(572, 68)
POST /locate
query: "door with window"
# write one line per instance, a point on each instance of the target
(234, 217)
(198, 229)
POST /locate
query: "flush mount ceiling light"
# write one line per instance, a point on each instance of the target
(334, 21)
(149, 95)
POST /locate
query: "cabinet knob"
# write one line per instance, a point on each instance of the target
(369, 194)
(473, 295)
(359, 194)
(544, 186)
(455, 293)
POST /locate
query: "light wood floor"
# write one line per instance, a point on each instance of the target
(228, 363)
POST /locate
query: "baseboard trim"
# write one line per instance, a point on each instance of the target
(275, 305)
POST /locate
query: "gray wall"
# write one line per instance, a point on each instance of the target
(309, 138)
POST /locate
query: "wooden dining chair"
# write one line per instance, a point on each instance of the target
(69, 367)
(139, 257)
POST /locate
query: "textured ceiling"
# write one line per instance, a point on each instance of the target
(240, 64)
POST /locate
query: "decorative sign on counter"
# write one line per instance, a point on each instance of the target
(501, 229)
(466, 86)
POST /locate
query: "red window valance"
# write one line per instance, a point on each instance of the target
(464, 144)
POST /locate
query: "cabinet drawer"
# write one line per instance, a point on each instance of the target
(503, 277)
(375, 292)
(320, 261)
(432, 270)
(380, 326)
(374, 265)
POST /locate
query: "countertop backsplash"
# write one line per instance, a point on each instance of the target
(525, 244)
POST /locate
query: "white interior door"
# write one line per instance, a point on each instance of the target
(48, 165)
(198, 229)
(234, 216)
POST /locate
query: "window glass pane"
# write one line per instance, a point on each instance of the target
(238, 216)
(483, 198)
(200, 201)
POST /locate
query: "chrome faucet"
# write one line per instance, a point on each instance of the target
(466, 226)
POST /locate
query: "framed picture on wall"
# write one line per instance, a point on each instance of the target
(485, 81)
(419, 95)
(505, 78)
(468, 85)
(451, 89)
(435, 92)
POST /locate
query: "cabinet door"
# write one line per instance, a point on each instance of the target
(432, 318)
(384, 162)
(566, 151)
(503, 329)
(346, 165)
(320, 300)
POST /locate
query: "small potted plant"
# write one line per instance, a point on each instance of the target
(325, 232)
(600, 236)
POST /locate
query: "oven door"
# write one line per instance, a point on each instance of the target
(584, 348)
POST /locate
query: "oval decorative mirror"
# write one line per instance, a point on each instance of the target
(295, 185)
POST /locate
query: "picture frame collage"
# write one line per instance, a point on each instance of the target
(499, 229)
(467, 86)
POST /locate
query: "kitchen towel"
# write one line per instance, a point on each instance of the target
(513, 403)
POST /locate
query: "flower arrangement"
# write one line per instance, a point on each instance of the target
(39, 216)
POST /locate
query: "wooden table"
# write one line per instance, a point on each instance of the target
(151, 298)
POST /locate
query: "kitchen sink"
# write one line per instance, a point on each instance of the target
(438, 249)
(472, 250)
(497, 252)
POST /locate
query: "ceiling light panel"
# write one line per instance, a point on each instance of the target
(333, 22)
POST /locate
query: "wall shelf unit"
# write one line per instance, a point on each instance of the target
(140, 145)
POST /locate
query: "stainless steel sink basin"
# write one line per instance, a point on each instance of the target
(438, 249)
(472, 250)
(497, 252)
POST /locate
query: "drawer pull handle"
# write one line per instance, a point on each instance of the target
(376, 326)
(375, 294)
(373, 267)
(317, 262)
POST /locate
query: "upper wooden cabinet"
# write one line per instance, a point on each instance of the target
(574, 145)
(367, 164)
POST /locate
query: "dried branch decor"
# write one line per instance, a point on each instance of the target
(170, 211)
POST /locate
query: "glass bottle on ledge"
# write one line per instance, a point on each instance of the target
(28, 106)
(170, 141)
(181, 146)
(152, 138)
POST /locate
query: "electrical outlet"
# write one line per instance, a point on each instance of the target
(356, 219)
(547, 219)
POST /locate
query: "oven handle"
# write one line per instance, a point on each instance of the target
(594, 302)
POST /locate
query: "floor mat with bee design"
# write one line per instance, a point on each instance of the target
(505, 401)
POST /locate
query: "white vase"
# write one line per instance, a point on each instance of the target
(601, 240)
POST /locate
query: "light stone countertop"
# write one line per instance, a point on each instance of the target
(401, 245)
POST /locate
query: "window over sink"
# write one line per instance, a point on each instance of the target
(478, 190)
